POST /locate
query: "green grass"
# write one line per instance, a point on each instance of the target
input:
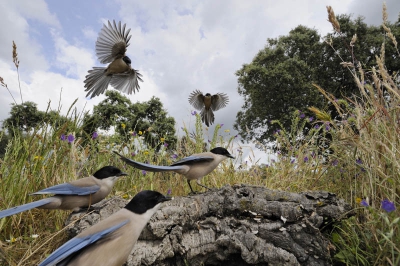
(354, 164)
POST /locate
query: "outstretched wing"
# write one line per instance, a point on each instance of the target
(127, 82)
(112, 42)
(69, 189)
(196, 99)
(76, 244)
(218, 101)
(96, 81)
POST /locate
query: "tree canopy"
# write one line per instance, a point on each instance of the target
(279, 79)
(149, 117)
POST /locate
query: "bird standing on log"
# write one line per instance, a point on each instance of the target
(193, 167)
(74, 195)
(110, 241)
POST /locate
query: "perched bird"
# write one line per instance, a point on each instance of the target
(110, 48)
(207, 104)
(193, 167)
(74, 195)
(110, 241)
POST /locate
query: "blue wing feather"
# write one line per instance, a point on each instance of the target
(175, 166)
(68, 189)
(76, 244)
(193, 159)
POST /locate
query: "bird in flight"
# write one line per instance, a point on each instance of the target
(208, 103)
(111, 46)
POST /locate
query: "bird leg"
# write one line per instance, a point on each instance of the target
(190, 186)
(200, 184)
(88, 209)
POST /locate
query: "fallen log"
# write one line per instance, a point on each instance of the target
(233, 225)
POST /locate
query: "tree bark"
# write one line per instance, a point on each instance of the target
(234, 225)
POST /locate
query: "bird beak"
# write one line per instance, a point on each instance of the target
(122, 174)
(230, 156)
(165, 198)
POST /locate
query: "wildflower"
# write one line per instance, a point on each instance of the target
(327, 126)
(162, 139)
(221, 125)
(227, 130)
(236, 136)
(165, 144)
(358, 200)
(364, 203)
(302, 116)
(292, 161)
(133, 154)
(359, 161)
(140, 133)
(335, 162)
(125, 196)
(11, 240)
(146, 152)
(310, 119)
(194, 113)
(169, 192)
(388, 205)
(272, 161)
(305, 159)
(313, 154)
(316, 126)
(38, 157)
(95, 135)
(71, 138)
(123, 126)
(63, 137)
(174, 156)
(143, 172)
(134, 133)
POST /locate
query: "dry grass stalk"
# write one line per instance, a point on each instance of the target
(386, 28)
(353, 40)
(332, 19)
(15, 55)
(16, 63)
(3, 84)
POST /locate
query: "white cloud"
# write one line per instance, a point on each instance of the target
(75, 60)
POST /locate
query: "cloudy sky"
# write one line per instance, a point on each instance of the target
(178, 46)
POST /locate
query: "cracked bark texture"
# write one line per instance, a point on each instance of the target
(233, 225)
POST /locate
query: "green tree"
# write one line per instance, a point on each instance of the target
(279, 79)
(118, 111)
(23, 117)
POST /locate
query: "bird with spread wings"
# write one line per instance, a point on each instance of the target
(208, 103)
(111, 47)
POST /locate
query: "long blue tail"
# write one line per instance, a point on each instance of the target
(24, 207)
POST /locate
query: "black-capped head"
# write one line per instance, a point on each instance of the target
(146, 200)
(127, 60)
(108, 171)
(222, 151)
(208, 94)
